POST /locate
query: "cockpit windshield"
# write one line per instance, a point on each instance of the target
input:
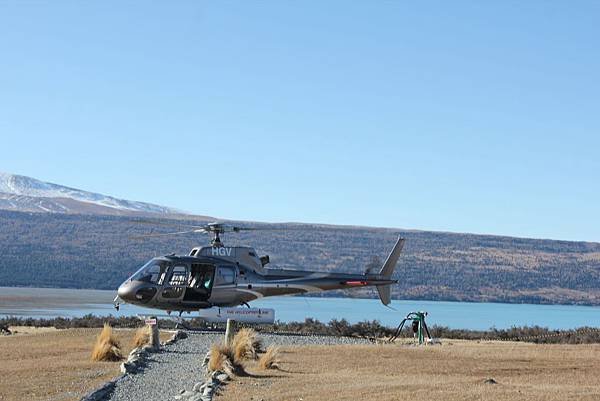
(153, 272)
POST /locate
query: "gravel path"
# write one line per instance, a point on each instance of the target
(177, 366)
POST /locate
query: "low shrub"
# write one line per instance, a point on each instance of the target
(368, 329)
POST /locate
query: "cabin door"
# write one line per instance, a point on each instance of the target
(200, 282)
(174, 288)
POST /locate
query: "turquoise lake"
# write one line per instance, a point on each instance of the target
(51, 302)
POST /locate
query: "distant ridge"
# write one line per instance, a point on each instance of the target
(26, 194)
(100, 251)
(80, 239)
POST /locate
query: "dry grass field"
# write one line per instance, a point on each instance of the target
(51, 365)
(455, 370)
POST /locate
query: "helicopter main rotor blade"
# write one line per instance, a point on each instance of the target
(201, 230)
(214, 228)
(224, 227)
(167, 223)
(236, 229)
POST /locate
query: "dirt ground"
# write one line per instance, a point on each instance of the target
(51, 365)
(455, 370)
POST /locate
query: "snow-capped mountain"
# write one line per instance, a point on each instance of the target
(23, 193)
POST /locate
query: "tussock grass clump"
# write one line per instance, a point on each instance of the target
(108, 336)
(221, 359)
(270, 359)
(107, 347)
(142, 337)
(106, 352)
(245, 345)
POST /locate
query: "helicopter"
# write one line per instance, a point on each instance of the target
(220, 276)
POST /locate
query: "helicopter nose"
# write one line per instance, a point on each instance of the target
(136, 293)
(126, 292)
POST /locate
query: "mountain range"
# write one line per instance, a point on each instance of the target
(26, 194)
(56, 236)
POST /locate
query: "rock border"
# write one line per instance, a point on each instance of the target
(101, 392)
(134, 364)
(205, 391)
(137, 359)
(177, 335)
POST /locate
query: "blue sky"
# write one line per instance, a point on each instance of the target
(454, 116)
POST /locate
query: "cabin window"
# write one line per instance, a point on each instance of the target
(152, 272)
(201, 277)
(225, 275)
(179, 276)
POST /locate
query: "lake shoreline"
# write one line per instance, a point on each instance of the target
(372, 330)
